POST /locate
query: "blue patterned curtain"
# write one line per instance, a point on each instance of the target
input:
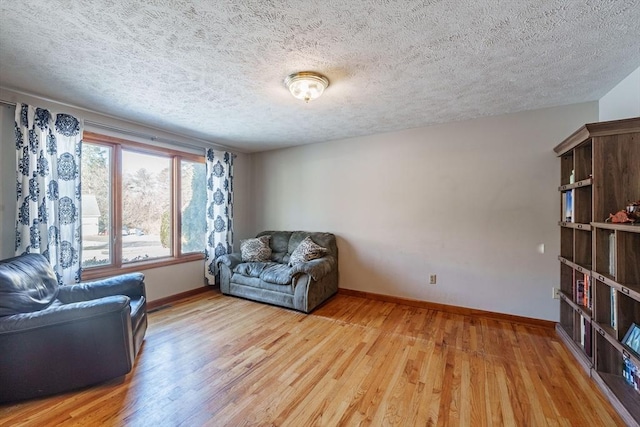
(219, 209)
(48, 188)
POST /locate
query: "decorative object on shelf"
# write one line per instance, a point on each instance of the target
(633, 210)
(306, 85)
(632, 339)
(572, 177)
(629, 214)
(620, 217)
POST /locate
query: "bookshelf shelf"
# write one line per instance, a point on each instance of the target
(574, 348)
(578, 226)
(583, 183)
(600, 261)
(584, 311)
(609, 335)
(630, 228)
(619, 388)
(605, 330)
(579, 268)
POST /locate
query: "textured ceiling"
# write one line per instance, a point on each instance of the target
(215, 69)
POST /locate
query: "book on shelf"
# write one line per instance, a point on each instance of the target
(582, 331)
(631, 374)
(612, 254)
(579, 294)
(614, 304)
(567, 206)
(587, 336)
(586, 298)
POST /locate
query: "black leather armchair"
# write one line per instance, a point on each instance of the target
(58, 338)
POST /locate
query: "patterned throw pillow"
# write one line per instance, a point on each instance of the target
(256, 250)
(306, 251)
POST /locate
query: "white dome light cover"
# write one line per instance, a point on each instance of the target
(306, 85)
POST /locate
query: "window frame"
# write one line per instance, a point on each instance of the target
(115, 170)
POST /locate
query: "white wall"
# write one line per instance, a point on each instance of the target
(469, 201)
(161, 282)
(623, 101)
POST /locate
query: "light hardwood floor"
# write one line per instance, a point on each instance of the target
(223, 361)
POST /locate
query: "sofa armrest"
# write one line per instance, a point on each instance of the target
(316, 268)
(131, 285)
(230, 260)
(63, 313)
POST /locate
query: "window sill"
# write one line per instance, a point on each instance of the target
(108, 271)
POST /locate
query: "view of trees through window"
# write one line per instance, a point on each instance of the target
(96, 205)
(146, 206)
(194, 205)
(146, 219)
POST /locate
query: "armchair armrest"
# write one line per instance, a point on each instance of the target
(316, 268)
(63, 313)
(64, 347)
(131, 285)
(230, 260)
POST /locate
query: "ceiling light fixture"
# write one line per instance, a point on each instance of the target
(306, 85)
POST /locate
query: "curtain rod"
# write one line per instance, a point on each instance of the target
(141, 135)
(138, 134)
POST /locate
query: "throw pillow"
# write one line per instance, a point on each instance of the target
(256, 250)
(306, 251)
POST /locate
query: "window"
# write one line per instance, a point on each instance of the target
(140, 205)
(146, 206)
(193, 206)
(96, 205)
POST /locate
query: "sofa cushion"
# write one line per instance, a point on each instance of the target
(326, 240)
(255, 250)
(257, 283)
(277, 273)
(252, 269)
(27, 284)
(271, 272)
(306, 251)
(280, 257)
(279, 243)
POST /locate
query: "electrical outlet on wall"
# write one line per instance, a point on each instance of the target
(556, 293)
(432, 279)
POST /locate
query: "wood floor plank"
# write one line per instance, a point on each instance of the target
(212, 360)
(477, 386)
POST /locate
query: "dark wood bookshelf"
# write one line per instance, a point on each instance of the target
(600, 168)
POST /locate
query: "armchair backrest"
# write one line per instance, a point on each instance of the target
(27, 284)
